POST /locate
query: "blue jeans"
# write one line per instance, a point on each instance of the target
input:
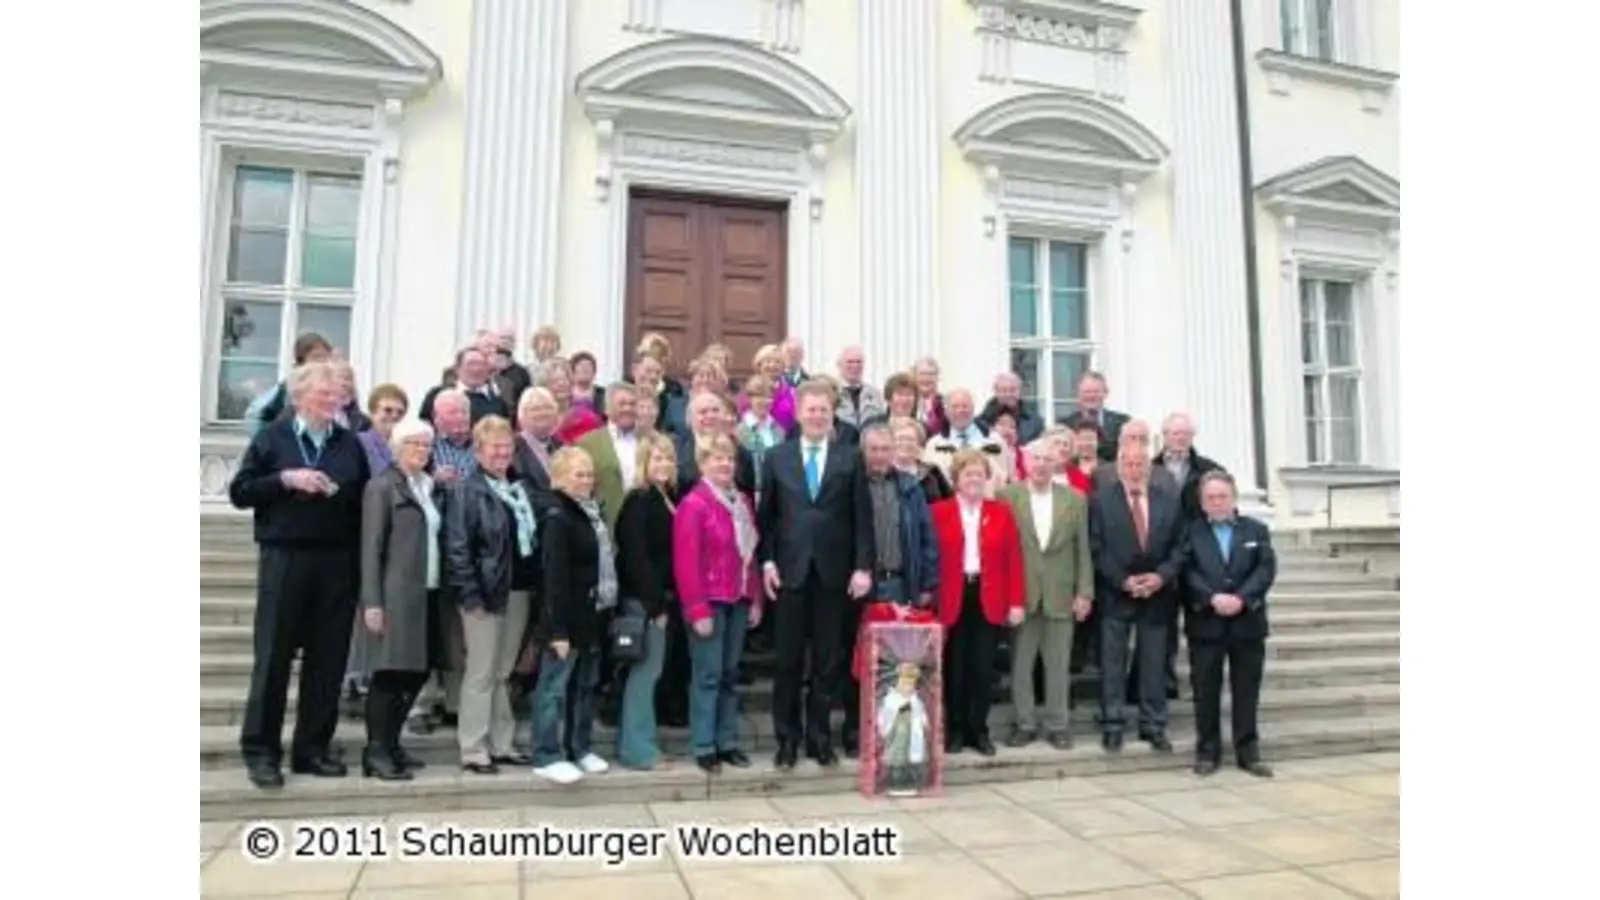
(713, 694)
(563, 701)
(636, 737)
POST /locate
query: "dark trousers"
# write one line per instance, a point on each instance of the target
(1149, 635)
(672, 690)
(969, 669)
(389, 698)
(807, 617)
(1245, 659)
(305, 599)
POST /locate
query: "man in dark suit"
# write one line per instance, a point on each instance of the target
(473, 380)
(1232, 567)
(816, 551)
(1136, 534)
(1092, 408)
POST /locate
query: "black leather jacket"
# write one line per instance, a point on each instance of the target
(479, 542)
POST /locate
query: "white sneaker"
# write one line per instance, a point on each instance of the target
(593, 764)
(561, 772)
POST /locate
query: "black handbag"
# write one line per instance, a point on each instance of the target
(626, 636)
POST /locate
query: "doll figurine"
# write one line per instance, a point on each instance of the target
(903, 729)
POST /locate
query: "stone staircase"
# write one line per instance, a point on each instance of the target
(1332, 686)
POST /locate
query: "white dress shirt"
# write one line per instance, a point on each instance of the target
(971, 517)
(1042, 503)
(626, 443)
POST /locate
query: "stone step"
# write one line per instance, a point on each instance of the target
(226, 794)
(240, 610)
(219, 744)
(222, 698)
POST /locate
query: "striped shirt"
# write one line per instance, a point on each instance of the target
(456, 456)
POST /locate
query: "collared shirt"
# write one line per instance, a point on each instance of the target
(971, 519)
(885, 495)
(1043, 505)
(422, 487)
(487, 389)
(319, 437)
(1139, 505)
(457, 456)
(626, 444)
(1177, 464)
(1224, 532)
(822, 454)
(969, 436)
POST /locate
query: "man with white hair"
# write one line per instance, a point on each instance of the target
(1008, 398)
(794, 357)
(962, 432)
(453, 458)
(858, 400)
(510, 377)
(302, 477)
(1182, 461)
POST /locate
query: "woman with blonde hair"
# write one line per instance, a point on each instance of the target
(768, 364)
(546, 344)
(401, 562)
(713, 558)
(491, 568)
(644, 576)
(722, 355)
(908, 438)
(580, 590)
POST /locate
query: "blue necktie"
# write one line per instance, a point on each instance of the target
(813, 471)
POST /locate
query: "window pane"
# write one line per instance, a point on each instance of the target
(1314, 452)
(332, 322)
(1068, 313)
(333, 207)
(1338, 312)
(1319, 36)
(1344, 396)
(1289, 24)
(1066, 367)
(1024, 288)
(257, 255)
(239, 382)
(1026, 364)
(1314, 416)
(251, 331)
(1310, 351)
(262, 197)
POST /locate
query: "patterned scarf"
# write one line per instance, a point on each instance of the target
(605, 590)
(516, 497)
(744, 527)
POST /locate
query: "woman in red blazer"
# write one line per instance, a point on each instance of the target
(977, 596)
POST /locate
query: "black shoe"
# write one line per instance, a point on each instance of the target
(516, 758)
(824, 756)
(322, 767)
(1060, 740)
(850, 742)
(1158, 742)
(983, 745)
(953, 744)
(450, 720)
(735, 758)
(478, 768)
(1112, 741)
(383, 766)
(709, 763)
(404, 757)
(786, 757)
(1257, 768)
(1204, 767)
(1172, 692)
(1022, 737)
(265, 775)
(675, 719)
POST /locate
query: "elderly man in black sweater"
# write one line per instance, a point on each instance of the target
(302, 477)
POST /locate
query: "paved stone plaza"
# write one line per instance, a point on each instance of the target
(1325, 828)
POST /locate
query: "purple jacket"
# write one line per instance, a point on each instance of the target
(705, 555)
(783, 405)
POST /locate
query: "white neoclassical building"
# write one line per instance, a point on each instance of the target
(1198, 199)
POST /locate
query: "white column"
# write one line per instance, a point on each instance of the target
(897, 181)
(516, 95)
(1208, 237)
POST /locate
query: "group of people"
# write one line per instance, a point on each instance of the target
(532, 528)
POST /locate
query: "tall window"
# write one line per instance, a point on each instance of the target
(1309, 28)
(1050, 341)
(1332, 372)
(291, 261)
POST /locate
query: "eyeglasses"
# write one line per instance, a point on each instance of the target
(395, 411)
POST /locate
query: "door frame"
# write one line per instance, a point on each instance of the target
(631, 312)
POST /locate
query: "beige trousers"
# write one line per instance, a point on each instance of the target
(487, 726)
(1052, 637)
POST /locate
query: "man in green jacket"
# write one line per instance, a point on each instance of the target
(1058, 582)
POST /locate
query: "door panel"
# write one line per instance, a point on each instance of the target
(703, 270)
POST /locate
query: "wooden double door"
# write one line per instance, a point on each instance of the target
(706, 269)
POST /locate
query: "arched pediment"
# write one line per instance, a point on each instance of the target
(329, 39)
(712, 80)
(1058, 128)
(1337, 183)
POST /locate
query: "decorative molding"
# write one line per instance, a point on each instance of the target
(1282, 69)
(293, 110)
(516, 107)
(220, 451)
(777, 25)
(708, 116)
(1076, 44)
(1342, 193)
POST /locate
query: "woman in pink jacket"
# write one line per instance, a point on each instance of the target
(768, 361)
(713, 562)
